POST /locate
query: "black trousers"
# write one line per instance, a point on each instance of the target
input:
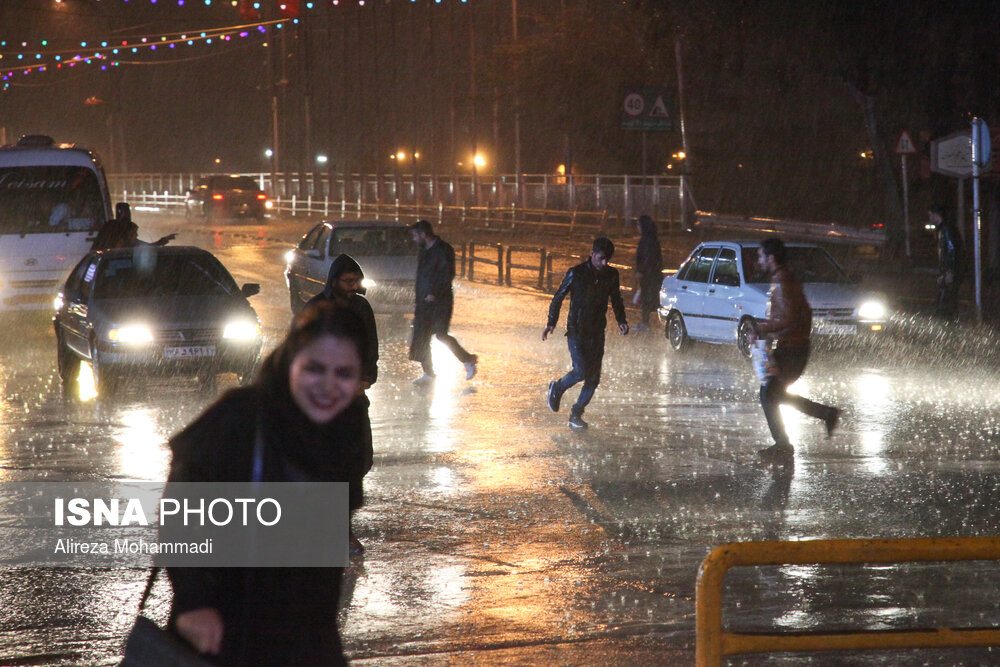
(430, 320)
(790, 362)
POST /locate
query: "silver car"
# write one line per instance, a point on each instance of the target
(155, 311)
(385, 251)
(718, 294)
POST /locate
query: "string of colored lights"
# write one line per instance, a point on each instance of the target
(108, 52)
(111, 54)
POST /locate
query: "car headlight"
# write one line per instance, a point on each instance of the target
(290, 256)
(241, 330)
(872, 310)
(131, 334)
(269, 204)
(368, 283)
(57, 302)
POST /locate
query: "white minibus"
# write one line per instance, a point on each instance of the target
(53, 200)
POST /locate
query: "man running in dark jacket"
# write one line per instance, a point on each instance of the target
(434, 302)
(590, 286)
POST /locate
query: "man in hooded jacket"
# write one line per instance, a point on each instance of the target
(344, 289)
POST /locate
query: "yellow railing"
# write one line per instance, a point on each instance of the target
(713, 643)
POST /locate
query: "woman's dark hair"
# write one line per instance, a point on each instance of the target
(323, 318)
(646, 225)
(774, 247)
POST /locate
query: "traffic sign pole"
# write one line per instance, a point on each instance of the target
(906, 209)
(904, 147)
(980, 158)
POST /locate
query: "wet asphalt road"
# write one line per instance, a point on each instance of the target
(495, 535)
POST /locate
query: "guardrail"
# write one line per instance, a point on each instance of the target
(814, 231)
(473, 259)
(712, 643)
(537, 268)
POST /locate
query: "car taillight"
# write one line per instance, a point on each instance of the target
(261, 196)
(217, 197)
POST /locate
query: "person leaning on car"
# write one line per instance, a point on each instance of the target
(788, 324)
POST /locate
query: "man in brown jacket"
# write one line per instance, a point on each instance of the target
(788, 324)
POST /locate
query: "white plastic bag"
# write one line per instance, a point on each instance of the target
(758, 356)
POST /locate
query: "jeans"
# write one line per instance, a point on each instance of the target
(587, 353)
(790, 362)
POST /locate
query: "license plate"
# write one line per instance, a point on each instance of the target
(189, 352)
(834, 328)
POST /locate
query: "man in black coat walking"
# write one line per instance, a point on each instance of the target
(590, 286)
(434, 302)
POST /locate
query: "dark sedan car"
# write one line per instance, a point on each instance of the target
(155, 311)
(226, 197)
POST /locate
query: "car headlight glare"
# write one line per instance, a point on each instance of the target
(131, 334)
(871, 310)
(290, 256)
(241, 330)
(368, 283)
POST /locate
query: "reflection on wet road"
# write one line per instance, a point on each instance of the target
(492, 528)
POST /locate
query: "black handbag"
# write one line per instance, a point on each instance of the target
(149, 645)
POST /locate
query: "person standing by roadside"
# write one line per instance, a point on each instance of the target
(788, 325)
(343, 290)
(950, 262)
(435, 301)
(590, 285)
(648, 270)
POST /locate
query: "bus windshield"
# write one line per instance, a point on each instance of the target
(46, 199)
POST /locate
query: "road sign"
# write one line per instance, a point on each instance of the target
(647, 108)
(952, 155)
(904, 145)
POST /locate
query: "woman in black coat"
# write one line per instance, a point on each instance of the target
(274, 616)
(648, 269)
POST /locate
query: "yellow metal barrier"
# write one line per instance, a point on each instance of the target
(713, 643)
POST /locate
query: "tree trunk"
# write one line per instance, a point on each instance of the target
(893, 203)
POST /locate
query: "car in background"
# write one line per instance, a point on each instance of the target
(385, 251)
(148, 310)
(226, 196)
(719, 293)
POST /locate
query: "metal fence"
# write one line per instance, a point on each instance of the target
(322, 193)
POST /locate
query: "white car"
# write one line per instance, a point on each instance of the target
(384, 250)
(718, 294)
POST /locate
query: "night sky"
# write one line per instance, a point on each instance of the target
(792, 109)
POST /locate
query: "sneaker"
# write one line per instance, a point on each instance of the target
(470, 367)
(424, 380)
(576, 422)
(831, 421)
(355, 547)
(553, 398)
(777, 454)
